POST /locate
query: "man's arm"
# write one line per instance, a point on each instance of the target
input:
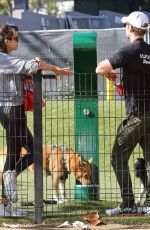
(105, 68)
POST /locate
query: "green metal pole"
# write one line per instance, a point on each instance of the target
(86, 110)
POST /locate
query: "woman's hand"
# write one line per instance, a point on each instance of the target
(57, 70)
(63, 71)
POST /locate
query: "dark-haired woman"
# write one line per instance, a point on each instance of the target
(12, 114)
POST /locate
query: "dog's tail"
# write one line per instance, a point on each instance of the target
(141, 172)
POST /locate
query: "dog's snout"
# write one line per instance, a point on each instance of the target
(85, 176)
(86, 181)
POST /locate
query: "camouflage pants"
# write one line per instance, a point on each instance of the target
(132, 131)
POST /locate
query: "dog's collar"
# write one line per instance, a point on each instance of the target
(64, 160)
(63, 147)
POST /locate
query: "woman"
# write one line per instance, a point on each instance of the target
(12, 114)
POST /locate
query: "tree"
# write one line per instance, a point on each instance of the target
(6, 7)
(52, 7)
(48, 5)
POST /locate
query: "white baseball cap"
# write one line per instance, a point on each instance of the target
(137, 19)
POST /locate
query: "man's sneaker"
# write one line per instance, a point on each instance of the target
(144, 210)
(147, 201)
(10, 185)
(119, 211)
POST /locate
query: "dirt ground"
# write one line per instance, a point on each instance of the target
(89, 227)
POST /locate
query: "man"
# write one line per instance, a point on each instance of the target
(134, 59)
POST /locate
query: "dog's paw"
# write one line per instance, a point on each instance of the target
(61, 201)
(138, 204)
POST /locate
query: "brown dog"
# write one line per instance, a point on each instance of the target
(59, 164)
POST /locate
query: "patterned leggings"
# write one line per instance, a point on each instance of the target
(13, 119)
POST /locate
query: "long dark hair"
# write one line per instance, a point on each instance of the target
(6, 32)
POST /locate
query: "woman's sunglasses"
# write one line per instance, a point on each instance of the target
(13, 26)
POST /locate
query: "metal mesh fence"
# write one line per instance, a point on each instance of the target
(76, 125)
(88, 125)
(78, 133)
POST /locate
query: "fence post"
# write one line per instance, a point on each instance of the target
(38, 159)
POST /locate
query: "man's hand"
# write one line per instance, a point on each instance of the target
(112, 76)
(105, 68)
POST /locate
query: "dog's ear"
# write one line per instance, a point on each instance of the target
(90, 160)
(69, 150)
(79, 160)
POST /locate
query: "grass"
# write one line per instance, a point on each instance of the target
(58, 127)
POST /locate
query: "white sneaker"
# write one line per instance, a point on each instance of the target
(15, 212)
(10, 185)
(3, 212)
(10, 211)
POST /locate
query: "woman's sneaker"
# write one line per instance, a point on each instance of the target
(10, 185)
(119, 211)
(15, 212)
(10, 211)
(3, 212)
